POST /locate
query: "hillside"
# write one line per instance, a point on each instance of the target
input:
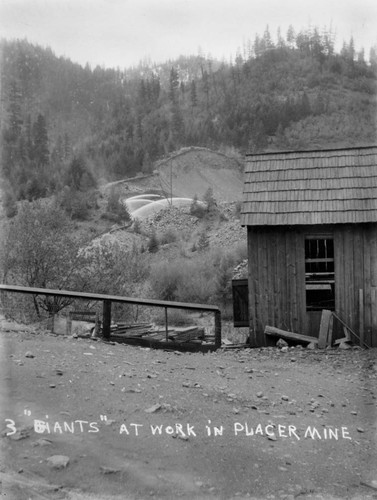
(293, 94)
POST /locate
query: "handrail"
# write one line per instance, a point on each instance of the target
(108, 299)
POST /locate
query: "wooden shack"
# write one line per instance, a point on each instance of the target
(311, 220)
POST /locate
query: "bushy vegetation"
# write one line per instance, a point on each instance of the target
(117, 210)
(205, 279)
(39, 248)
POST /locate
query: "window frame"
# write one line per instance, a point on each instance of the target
(319, 284)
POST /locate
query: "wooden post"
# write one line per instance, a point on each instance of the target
(166, 324)
(69, 324)
(324, 328)
(361, 316)
(217, 329)
(329, 333)
(106, 320)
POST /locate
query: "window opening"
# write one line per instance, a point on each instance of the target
(319, 273)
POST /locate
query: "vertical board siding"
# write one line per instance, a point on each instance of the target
(277, 294)
(252, 270)
(349, 285)
(366, 241)
(301, 286)
(276, 281)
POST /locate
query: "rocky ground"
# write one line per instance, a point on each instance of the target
(84, 419)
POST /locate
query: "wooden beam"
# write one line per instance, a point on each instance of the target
(350, 329)
(113, 298)
(276, 332)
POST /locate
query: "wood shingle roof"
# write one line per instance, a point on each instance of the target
(311, 187)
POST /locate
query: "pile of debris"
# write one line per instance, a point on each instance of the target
(146, 332)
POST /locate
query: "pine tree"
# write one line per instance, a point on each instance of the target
(174, 85)
(193, 94)
(40, 141)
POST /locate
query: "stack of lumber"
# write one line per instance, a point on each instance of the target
(187, 334)
(130, 331)
(146, 331)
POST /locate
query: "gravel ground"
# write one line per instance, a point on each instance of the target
(84, 419)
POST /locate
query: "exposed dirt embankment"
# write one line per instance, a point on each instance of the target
(190, 172)
(195, 170)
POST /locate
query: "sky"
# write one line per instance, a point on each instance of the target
(121, 33)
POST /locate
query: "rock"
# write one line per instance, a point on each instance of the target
(108, 470)
(259, 394)
(311, 346)
(360, 429)
(58, 461)
(42, 442)
(281, 343)
(29, 354)
(184, 438)
(284, 349)
(272, 437)
(22, 433)
(285, 398)
(344, 346)
(153, 408)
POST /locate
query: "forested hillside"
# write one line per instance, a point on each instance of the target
(64, 126)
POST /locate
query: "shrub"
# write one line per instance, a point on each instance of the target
(203, 241)
(116, 206)
(165, 278)
(137, 226)
(197, 209)
(176, 317)
(10, 204)
(153, 244)
(209, 199)
(169, 236)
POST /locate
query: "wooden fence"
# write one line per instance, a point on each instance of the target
(107, 301)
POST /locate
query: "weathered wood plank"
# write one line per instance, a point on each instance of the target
(330, 332)
(252, 277)
(301, 288)
(361, 316)
(276, 332)
(348, 291)
(349, 328)
(339, 273)
(324, 328)
(374, 315)
(367, 248)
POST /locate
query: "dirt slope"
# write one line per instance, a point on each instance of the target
(118, 389)
(192, 171)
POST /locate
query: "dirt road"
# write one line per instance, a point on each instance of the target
(83, 419)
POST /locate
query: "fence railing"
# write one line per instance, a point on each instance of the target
(107, 301)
